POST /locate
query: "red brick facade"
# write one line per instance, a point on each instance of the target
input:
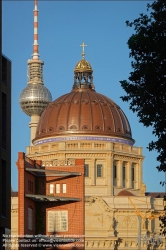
(34, 213)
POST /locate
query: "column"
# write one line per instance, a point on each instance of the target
(109, 175)
(139, 165)
(128, 175)
(93, 171)
(137, 175)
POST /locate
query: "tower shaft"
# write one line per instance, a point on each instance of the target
(33, 125)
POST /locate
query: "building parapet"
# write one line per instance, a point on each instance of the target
(84, 146)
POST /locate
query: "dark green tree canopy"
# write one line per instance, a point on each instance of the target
(146, 85)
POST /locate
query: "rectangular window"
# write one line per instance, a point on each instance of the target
(64, 188)
(86, 170)
(57, 188)
(57, 221)
(64, 221)
(99, 170)
(51, 188)
(30, 186)
(3, 187)
(132, 177)
(114, 175)
(4, 121)
(30, 219)
(4, 70)
(114, 172)
(124, 176)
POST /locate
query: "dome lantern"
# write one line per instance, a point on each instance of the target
(83, 77)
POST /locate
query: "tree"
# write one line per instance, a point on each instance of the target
(146, 87)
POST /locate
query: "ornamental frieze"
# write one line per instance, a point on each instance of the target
(116, 243)
(72, 155)
(100, 244)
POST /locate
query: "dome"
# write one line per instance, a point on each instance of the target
(83, 114)
(34, 99)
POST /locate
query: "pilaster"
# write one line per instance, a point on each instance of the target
(109, 176)
(93, 172)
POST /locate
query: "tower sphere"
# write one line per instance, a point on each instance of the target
(34, 99)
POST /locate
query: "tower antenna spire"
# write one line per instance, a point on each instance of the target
(35, 97)
(35, 55)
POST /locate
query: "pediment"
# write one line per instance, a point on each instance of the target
(99, 202)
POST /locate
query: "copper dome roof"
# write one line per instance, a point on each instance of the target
(82, 112)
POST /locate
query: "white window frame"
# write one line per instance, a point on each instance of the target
(64, 188)
(58, 188)
(58, 221)
(51, 188)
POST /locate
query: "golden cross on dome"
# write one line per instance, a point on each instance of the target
(83, 53)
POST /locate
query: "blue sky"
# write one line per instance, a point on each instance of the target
(63, 26)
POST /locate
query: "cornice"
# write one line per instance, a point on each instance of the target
(51, 155)
(127, 158)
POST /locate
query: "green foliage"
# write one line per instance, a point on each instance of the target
(146, 85)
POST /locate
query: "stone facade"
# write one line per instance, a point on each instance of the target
(14, 220)
(112, 205)
(50, 203)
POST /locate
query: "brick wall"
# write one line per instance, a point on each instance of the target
(31, 184)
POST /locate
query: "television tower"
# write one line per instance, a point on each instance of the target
(35, 97)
